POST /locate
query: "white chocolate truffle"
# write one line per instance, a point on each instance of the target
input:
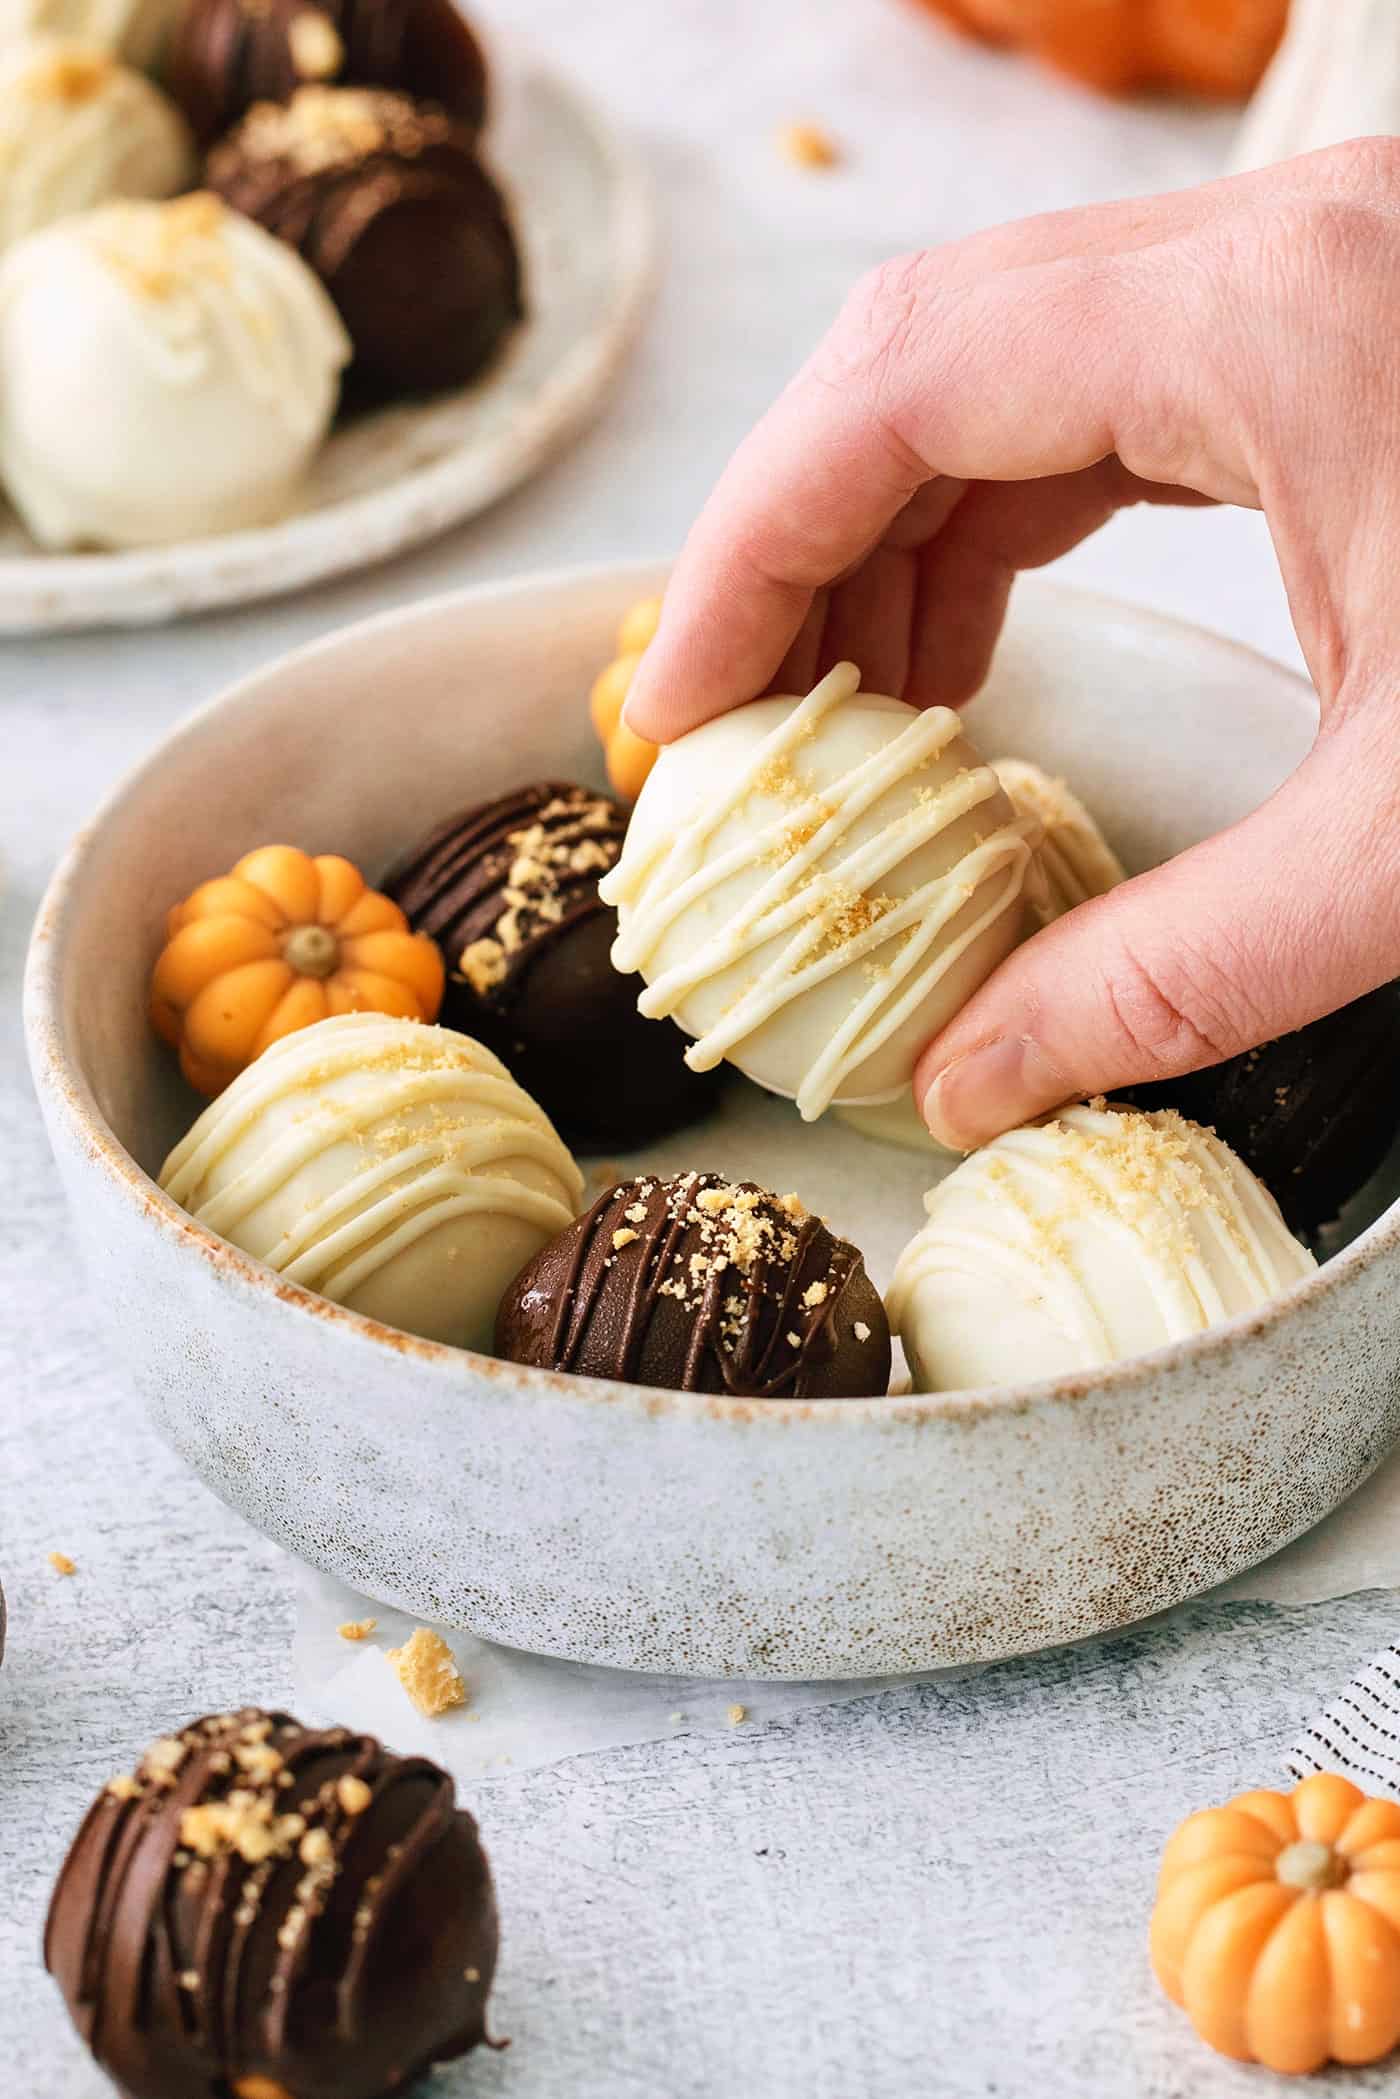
(1072, 1243)
(77, 128)
(813, 888)
(394, 1167)
(136, 30)
(166, 370)
(1076, 859)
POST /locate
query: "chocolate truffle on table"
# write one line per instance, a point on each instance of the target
(387, 202)
(262, 1908)
(509, 890)
(699, 1284)
(229, 54)
(1313, 1113)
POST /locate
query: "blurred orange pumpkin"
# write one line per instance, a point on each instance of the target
(628, 757)
(1203, 47)
(279, 942)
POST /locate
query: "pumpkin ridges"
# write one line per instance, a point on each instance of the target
(371, 913)
(204, 948)
(225, 896)
(1365, 1961)
(610, 688)
(1220, 1958)
(1181, 1905)
(1381, 1893)
(301, 1005)
(1324, 1804)
(1213, 1830)
(411, 958)
(1274, 1810)
(287, 874)
(365, 991)
(1288, 2005)
(338, 884)
(1211, 47)
(224, 1019)
(1375, 1823)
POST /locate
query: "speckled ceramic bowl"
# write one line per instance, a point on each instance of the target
(642, 1528)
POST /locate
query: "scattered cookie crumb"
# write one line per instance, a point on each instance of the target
(808, 146)
(61, 1564)
(427, 1671)
(357, 1628)
(862, 1331)
(737, 1715)
(676, 1719)
(471, 1974)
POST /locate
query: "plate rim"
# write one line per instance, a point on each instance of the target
(48, 593)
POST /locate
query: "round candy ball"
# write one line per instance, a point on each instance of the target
(219, 358)
(385, 200)
(393, 1167)
(812, 889)
(509, 891)
(1076, 860)
(1078, 1241)
(136, 31)
(229, 54)
(700, 1284)
(262, 1908)
(76, 129)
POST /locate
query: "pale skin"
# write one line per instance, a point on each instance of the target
(980, 408)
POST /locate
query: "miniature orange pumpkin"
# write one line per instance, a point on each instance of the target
(281, 941)
(629, 757)
(1277, 1925)
(1206, 47)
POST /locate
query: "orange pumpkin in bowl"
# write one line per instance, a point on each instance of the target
(282, 940)
(1201, 47)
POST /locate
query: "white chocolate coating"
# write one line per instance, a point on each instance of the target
(136, 30)
(166, 370)
(1072, 1243)
(77, 128)
(396, 1168)
(813, 888)
(897, 1122)
(1076, 860)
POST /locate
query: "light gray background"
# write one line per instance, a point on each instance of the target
(938, 1890)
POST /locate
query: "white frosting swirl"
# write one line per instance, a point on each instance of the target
(1074, 1242)
(813, 888)
(1075, 858)
(217, 355)
(77, 128)
(396, 1168)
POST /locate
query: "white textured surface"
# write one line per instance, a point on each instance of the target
(937, 1890)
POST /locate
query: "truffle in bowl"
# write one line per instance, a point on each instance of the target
(697, 1531)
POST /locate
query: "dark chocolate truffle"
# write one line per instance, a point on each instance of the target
(386, 201)
(229, 54)
(509, 891)
(1313, 1113)
(701, 1285)
(261, 1908)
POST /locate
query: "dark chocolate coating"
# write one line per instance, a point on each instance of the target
(386, 201)
(1313, 1113)
(561, 1018)
(228, 54)
(188, 1964)
(753, 1297)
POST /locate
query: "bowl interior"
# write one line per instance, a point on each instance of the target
(360, 744)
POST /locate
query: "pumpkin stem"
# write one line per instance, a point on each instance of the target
(311, 951)
(1310, 1867)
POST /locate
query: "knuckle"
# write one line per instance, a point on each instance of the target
(879, 324)
(1367, 165)
(1174, 1014)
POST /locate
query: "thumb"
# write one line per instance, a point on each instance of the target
(1280, 919)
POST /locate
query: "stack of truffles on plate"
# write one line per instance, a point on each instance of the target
(222, 223)
(808, 889)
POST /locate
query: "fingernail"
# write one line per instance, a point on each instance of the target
(990, 1089)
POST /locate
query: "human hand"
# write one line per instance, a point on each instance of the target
(978, 409)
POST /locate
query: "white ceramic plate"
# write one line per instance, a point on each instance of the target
(388, 480)
(661, 1530)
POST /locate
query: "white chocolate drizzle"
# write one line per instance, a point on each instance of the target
(417, 1174)
(1169, 1200)
(825, 899)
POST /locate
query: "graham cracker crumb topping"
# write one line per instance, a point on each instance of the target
(425, 1667)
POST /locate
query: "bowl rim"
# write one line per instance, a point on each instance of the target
(64, 1087)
